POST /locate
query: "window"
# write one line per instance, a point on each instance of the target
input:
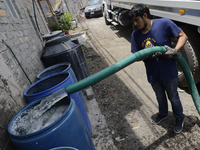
(10, 6)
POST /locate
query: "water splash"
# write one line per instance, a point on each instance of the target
(48, 102)
(41, 115)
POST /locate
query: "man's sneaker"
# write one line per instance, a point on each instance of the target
(179, 125)
(158, 119)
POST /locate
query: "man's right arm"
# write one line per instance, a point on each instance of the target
(134, 47)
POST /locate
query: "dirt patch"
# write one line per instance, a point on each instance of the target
(114, 101)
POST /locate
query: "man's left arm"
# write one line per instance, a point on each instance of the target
(173, 52)
(182, 38)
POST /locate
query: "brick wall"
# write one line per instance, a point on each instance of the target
(23, 37)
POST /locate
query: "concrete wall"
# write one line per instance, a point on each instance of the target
(73, 6)
(22, 35)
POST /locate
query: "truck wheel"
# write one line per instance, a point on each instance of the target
(191, 53)
(105, 17)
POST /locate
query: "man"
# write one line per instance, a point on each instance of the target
(161, 69)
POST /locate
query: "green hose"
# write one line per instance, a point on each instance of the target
(112, 69)
(129, 60)
(191, 84)
(18, 62)
(35, 15)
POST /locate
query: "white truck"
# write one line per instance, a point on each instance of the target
(185, 13)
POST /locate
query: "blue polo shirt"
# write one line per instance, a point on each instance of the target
(162, 30)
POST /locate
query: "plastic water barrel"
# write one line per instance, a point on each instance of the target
(52, 83)
(70, 51)
(61, 67)
(68, 130)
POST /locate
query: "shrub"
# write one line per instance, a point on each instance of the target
(66, 21)
(55, 26)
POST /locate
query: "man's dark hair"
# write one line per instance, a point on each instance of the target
(139, 10)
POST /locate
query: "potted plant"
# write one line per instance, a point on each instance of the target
(66, 22)
(65, 31)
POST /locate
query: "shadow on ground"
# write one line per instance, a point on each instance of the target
(122, 31)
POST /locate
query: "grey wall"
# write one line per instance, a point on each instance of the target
(73, 6)
(22, 35)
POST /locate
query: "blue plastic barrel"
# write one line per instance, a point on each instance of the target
(68, 130)
(52, 83)
(61, 67)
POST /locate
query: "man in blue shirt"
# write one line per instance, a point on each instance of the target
(161, 69)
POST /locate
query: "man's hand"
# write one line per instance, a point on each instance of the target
(157, 54)
(171, 52)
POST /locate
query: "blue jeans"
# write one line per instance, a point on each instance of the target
(168, 89)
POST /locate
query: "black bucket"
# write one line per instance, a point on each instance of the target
(71, 53)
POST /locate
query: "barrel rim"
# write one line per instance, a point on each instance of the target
(51, 40)
(52, 34)
(29, 105)
(57, 148)
(53, 67)
(26, 91)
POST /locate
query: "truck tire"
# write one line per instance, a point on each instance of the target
(191, 53)
(105, 17)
